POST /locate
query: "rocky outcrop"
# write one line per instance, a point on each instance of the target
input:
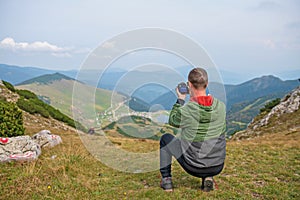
(288, 104)
(8, 95)
(26, 148)
(44, 138)
(20, 148)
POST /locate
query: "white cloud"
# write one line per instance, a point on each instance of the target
(62, 55)
(269, 43)
(41, 47)
(109, 45)
(9, 43)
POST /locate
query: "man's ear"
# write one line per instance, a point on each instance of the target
(205, 86)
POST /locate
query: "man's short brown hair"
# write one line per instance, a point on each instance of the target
(198, 77)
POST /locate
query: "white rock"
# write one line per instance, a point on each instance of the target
(26, 148)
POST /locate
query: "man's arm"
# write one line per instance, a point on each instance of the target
(175, 114)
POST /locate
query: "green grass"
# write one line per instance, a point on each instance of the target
(242, 113)
(138, 127)
(267, 167)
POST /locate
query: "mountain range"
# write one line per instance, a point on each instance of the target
(243, 100)
(263, 166)
(17, 74)
(57, 90)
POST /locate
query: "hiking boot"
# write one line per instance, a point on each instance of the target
(208, 184)
(166, 184)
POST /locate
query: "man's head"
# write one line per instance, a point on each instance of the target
(198, 78)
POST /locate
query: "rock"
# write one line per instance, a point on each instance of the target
(21, 148)
(288, 104)
(45, 139)
(26, 148)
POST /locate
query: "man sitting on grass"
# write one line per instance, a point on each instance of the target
(200, 147)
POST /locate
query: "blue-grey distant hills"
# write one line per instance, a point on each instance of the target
(246, 92)
(116, 80)
(243, 100)
(46, 79)
(258, 87)
(16, 74)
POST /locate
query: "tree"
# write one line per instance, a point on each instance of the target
(268, 107)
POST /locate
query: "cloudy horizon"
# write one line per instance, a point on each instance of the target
(253, 37)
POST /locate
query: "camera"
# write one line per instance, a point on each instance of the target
(183, 88)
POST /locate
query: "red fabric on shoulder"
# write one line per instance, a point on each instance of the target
(203, 100)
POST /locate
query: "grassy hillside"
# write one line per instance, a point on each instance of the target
(59, 93)
(265, 167)
(241, 114)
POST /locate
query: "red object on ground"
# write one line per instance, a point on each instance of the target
(4, 140)
(216, 185)
(26, 155)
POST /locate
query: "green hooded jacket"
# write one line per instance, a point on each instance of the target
(202, 131)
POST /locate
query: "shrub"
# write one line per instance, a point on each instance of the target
(26, 94)
(268, 107)
(32, 108)
(11, 121)
(29, 102)
(9, 86)
(37, 106)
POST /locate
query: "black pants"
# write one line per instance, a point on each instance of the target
(170, 146)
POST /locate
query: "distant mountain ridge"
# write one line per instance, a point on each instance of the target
(248, 91)
(16, 74)
(47, 78)
(258, 87)
(243, 100)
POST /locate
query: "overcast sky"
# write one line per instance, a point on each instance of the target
(249, 36)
